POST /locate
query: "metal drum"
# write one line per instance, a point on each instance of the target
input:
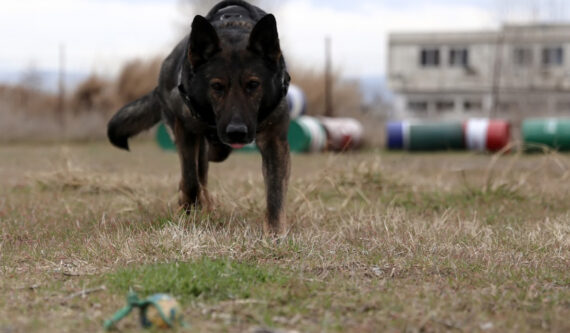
(487, 134)
(550, 132)
(306, 134)
(342, 133)
(424, 136)
(297, 101)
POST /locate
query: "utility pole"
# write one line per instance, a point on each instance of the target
(497, 70)
(329, 110)
(61, 86)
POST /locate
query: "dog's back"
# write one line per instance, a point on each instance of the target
(234, 20)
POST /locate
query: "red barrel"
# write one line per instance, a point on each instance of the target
(487, 134)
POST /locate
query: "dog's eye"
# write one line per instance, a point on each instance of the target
(217, 87)
(252, 85)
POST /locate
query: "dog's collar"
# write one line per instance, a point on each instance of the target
(211, 132)
(192, 107)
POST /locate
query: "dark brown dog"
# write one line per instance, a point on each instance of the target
(221, 88)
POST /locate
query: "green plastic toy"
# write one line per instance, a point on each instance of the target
(156, 311)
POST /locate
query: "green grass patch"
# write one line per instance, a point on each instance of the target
(205, 279)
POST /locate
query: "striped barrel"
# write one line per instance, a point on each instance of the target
(483, 134)
(342, 133)
(306, 134)
(423, 136)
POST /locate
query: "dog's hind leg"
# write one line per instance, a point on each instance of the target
(188, 145)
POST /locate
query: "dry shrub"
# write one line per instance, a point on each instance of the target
(137, 78)
(94, 94)
(26, 112)
(29, 114)
(22, 99)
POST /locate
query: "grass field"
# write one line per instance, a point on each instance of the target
(379, 242)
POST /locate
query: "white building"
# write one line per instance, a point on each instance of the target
(521, 70)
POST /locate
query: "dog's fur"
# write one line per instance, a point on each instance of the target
(223, 86)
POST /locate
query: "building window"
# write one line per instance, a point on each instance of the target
(459, 57)
(522, 56)
(429, 57)
(472, 105)
(553, 56)
(444, 105)
(508, 106)
(418, 106)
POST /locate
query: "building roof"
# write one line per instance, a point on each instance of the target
(524, 33)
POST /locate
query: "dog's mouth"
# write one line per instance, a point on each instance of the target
(237, 136)
(238, 144)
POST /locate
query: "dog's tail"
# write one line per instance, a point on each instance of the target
(134, 118)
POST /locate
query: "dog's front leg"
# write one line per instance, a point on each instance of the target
(188, 145)
(276, 168)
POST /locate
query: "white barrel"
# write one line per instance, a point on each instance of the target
(318, 134)
(297, 101)
(476, 134)
(343, 133)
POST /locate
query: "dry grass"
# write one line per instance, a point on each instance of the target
(378, 242)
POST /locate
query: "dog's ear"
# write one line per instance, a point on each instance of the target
(203, 42)
(264, 39)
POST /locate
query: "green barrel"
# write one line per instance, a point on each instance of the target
(550, 132)
(436, 136)
(306, 134)
(163, 138)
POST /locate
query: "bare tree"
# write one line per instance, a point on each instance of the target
(31, 78)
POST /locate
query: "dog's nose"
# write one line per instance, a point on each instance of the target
(236, 132)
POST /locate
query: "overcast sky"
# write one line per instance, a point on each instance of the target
(100, 35)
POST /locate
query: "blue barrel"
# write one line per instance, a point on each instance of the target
(297, 102)
(395, 132)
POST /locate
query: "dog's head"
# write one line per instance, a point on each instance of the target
(234, 79)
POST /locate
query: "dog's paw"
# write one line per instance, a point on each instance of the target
(203, 202)
(275, 229)
(186, 205)
(206, 201)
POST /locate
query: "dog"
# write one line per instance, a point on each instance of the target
(222, 87)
